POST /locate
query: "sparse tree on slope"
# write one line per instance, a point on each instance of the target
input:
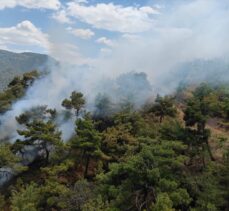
(75, 102)
(42, 134)
(163, 106)
(196, 114)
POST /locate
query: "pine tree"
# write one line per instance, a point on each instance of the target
(196, 114)
(42, 134)
(136, 182)
(163, 106)
(75, 102)
(87, 140)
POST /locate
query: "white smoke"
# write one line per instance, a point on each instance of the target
(183, 32)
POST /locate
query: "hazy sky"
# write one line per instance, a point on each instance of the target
(85, 29)
(148, 33)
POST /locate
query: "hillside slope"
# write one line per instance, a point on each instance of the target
(12, 64)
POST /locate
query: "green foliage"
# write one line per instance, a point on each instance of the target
(87, 140)
(9, 159)
(202, 91)
(131, 120)
(163, 203)
(81, 194)
(197, 112)
(215, 99)
(38, 113)
(209, 188)
(2, 202)
(103, 106)
(97, 204)
(51, 193)
(26, 198)
(139, 178)
(76, 102)
(42, 134)
(32, 197)
(16, 89)
(129, 160)
(172, 130)
(56, 170)
(163, 106)
(117, 141)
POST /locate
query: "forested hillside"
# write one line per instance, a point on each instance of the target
(114, 105)
(170, 154)
(16, 89)
(15, 64)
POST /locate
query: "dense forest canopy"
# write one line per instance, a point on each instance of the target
(112, 105)
(170, 154)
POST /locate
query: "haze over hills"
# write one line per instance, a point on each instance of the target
(213, 71)
(13, 64)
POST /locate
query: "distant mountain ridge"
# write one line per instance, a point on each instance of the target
(197, 71)
(13, 64)
(213, 71)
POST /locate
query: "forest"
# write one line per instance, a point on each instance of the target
(170, 154)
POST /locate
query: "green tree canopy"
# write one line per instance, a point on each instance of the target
(76, 102)
(136, 183)
(87, 140)
(42, 134)
(163, 106)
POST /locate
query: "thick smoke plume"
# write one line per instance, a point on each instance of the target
(185, 33)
